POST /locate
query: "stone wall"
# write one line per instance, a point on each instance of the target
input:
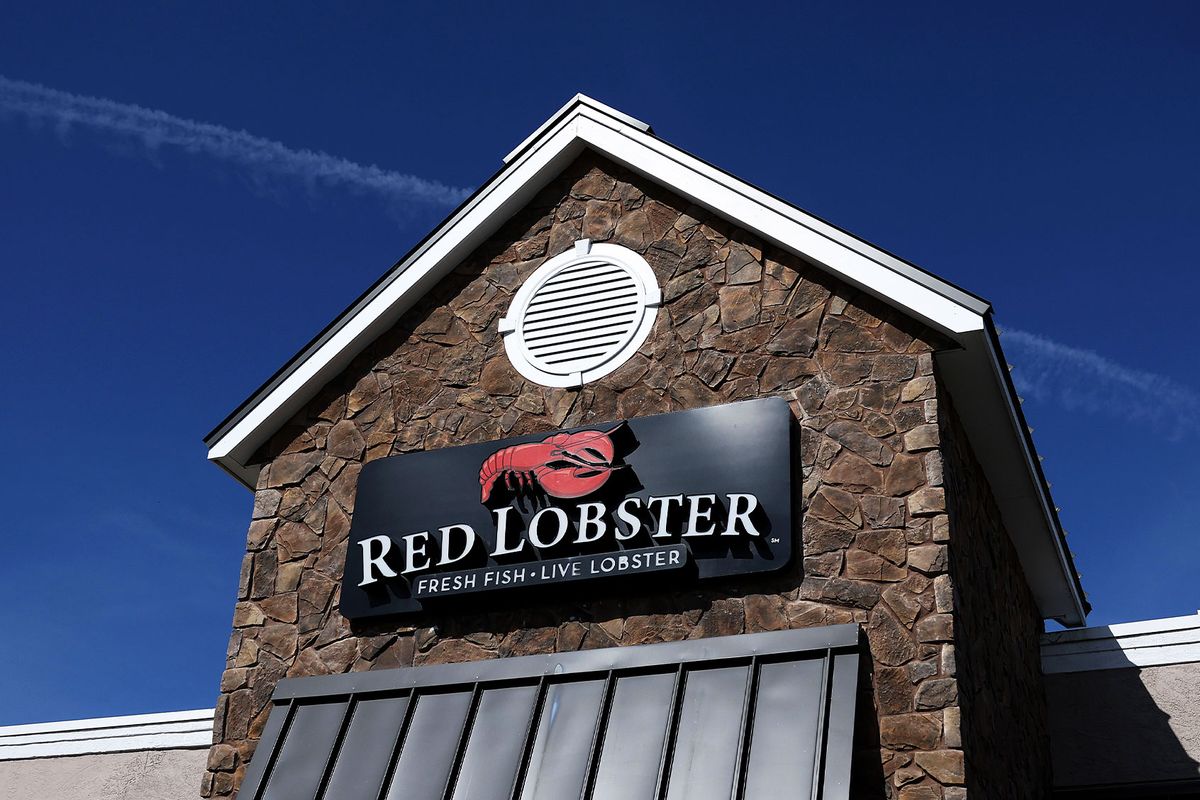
(996, 656)
(740, 320)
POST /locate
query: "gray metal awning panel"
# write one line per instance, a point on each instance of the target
(757, 716)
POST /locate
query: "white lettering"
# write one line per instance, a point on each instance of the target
(411, 551)
(695, 515)
(629, 518)
(502, 549)
(468, 543)
(591, 518)
(664, 504)
(370, 562)
(534, 525)
(735, 500)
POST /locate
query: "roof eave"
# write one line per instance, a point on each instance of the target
(981, 388)
(581, 124)
(586, 124)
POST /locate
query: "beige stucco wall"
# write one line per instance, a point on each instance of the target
(1176, 692)
(146, 775)
(1125, 725)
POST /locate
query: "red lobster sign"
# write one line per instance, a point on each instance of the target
(565, 465)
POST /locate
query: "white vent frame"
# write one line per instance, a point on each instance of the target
(648, 299)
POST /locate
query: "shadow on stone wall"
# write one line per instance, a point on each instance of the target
(866, 777)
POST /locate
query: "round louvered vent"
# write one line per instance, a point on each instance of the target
(581, 315)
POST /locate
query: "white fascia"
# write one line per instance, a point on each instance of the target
(784, 226)
(976, 378)
(166, 731)
(409, 281)
(1147, 643)
(579, 100)
(586, 124)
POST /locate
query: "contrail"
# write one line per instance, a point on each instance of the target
(155, 129)
(1083, 380)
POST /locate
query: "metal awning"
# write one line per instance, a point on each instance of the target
(756, 716)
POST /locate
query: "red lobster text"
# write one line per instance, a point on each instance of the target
(565, 465)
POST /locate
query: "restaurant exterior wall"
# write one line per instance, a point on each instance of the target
(739, 321)
(158, 774)
(1001, 716)
(133, 757)
(1126, 726)
(1121, 708)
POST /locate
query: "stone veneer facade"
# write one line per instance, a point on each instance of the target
(1001, 697)
(739, 321)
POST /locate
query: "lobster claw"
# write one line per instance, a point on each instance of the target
(586, 448)
(572, 482)
(582, 463)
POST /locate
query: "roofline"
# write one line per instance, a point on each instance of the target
(843, 235)
(830, 690)
(1024, 433)
(174, 730)
(585, 124)
(840, 637)
(567, 108)
(405, 261)
(337, 322)
(1033, 462)
(1146, 643)
(812, 223)
(570, 111)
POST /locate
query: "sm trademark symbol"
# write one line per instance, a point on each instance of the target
(774, 540)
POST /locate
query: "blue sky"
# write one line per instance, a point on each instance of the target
(156, 271)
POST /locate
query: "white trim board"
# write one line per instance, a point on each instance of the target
(587, 126)
(163, 731)
(1156, 642)
(976, 376)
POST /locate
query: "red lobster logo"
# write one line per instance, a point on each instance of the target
(565, 465)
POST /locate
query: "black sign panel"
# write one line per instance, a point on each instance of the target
(694, 494)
